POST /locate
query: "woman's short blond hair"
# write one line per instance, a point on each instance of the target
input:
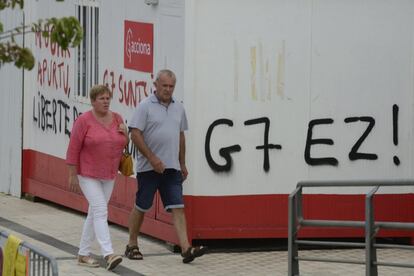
(98, 90)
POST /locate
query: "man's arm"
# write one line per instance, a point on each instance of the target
(138, 140)
(181, 156)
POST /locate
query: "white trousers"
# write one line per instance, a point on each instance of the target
(97, 192)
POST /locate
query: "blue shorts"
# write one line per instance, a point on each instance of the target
(169, 184)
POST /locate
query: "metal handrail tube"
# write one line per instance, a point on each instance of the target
(395, 225)
(43, 253)
(331, 260)
(356, 183)
(292, 194)
(356, 224)
(395, 264)
(394, 246)
(333, 223)
(331, 243)
(354, 244)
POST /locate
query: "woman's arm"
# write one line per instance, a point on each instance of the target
(122, 127)
(77, 136)
(73, 179)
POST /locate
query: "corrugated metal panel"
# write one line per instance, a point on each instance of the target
(11, 116)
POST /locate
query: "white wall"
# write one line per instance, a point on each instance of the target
(288, 61)
(11, 115)
(293, 62)
(58, 97)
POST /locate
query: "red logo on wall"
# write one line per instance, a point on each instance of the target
(138, 46)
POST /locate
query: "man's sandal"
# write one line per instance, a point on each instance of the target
(192, 253)
(132, 252)
(112, 261)
(87, 261)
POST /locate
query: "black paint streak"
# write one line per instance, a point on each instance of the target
(395, 110)
(354, 154)
(310, 141)
(53, 114)
(224, 152)
(266, 146)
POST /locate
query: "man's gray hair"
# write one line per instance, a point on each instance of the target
(167, 72)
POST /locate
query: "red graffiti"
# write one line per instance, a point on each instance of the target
(130, 92)
(55, 49)
(53, 70)
(54, 75)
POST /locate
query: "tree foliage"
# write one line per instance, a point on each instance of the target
(65, 31)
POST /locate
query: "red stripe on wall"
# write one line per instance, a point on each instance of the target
(218, 217)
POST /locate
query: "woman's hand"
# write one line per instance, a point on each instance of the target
(122, 128)
(73, 179)
(74, 184)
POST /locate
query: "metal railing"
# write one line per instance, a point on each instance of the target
(39, 263)
(297, 221)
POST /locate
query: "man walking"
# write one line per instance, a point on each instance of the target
(157, 130)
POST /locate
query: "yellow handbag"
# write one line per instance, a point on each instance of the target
(126, 166)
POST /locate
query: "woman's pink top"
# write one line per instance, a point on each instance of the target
(94, 148)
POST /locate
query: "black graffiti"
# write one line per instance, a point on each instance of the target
(354, 154)
(395, 110)
(224, 152)
(266, 146)
(227, 151)
(52, 114)
(310, 141)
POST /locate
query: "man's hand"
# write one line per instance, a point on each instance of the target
(184, 171)
(157, 164)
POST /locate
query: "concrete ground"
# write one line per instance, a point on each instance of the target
(57, 230)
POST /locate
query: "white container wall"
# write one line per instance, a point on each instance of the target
(341, 71)
(11, 110)
(276, 91)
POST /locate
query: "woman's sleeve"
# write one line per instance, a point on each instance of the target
(77, 136)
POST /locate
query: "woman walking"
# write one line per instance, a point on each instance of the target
(96, 143)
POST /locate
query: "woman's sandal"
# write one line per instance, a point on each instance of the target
(192, 253)
(112, 261)
(87, 261)
(132, 252)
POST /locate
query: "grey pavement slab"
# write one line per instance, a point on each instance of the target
(57, 230)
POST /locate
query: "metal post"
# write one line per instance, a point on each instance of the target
(293, 262)
(370, 251)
